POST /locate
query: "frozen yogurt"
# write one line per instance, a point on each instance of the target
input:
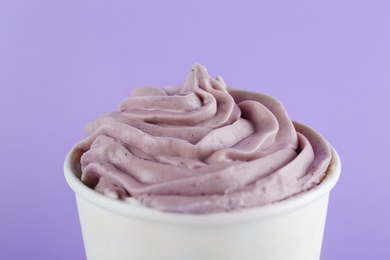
(203, 147)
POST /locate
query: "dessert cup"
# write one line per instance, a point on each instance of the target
(289, 229)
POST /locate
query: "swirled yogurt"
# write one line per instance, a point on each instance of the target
(201, 148)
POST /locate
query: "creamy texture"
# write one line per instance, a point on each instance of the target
(201, 148)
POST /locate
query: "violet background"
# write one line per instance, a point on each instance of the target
(62, 63)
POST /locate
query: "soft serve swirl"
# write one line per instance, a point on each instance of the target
(201, 148)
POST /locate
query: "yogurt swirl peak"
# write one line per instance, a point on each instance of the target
(201, 148)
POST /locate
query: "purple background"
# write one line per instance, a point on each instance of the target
(62, 63)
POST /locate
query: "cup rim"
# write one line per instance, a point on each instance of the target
(136, 210)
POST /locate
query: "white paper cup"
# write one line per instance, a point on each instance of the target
(287, 230)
